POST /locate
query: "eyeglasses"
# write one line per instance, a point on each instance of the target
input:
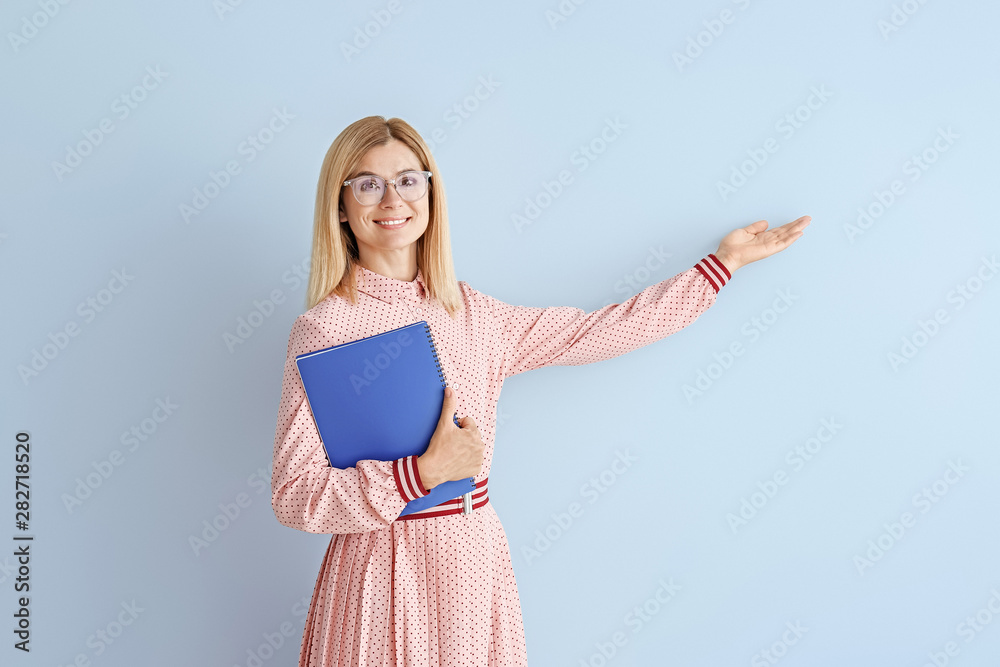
(370, 189)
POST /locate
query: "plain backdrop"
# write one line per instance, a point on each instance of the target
(812, 465)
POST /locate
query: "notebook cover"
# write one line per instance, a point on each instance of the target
(379, 398)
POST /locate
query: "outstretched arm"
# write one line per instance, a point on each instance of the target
(534, 337)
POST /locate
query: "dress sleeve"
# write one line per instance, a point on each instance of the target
(306, 492)
(565, 336)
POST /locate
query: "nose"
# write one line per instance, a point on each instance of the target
(391, 198)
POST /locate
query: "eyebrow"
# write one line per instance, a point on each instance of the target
(372, 173)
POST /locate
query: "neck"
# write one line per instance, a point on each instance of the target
(398, 268)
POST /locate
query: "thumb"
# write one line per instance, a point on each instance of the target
(448, 407)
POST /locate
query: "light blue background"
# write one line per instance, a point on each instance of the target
(655, 186)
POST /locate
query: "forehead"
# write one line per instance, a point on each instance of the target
(388, 160)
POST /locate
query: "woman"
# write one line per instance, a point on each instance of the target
(434, 587)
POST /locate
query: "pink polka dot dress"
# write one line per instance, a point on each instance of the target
(436, 588)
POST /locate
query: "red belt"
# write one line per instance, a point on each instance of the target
(453, 506)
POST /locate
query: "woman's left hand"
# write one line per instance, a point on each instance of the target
(748, 244)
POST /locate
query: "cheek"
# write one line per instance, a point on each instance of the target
(425, 217)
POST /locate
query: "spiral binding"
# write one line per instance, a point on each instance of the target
(466, 498)
(437, 360)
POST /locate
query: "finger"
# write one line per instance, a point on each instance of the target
(790, 228)
(449, 405)
(782, 232)
(786, 240)
(799, 223)
(472, 428)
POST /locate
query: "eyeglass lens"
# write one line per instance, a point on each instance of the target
(411, 185)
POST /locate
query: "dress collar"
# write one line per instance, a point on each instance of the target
(386, 288)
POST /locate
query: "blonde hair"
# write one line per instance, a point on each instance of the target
(334, 247)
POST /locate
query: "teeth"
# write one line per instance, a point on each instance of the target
(390, 223)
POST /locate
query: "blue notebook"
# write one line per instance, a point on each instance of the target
(379, 398)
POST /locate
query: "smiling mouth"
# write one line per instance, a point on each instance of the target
(391, 223)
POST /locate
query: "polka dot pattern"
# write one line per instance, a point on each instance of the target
(440, 590)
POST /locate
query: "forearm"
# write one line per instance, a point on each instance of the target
(537, 337)
(310, 495)
(367, 497)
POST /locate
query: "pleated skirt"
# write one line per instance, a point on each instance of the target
(427, 592)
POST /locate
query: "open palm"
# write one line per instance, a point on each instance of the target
(755, 241)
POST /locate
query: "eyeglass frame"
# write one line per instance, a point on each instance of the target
(391, 182)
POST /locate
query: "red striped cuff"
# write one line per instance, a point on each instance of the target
(714, 271)
(408, 479)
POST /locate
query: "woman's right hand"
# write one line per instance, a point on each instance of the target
(455, 451)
